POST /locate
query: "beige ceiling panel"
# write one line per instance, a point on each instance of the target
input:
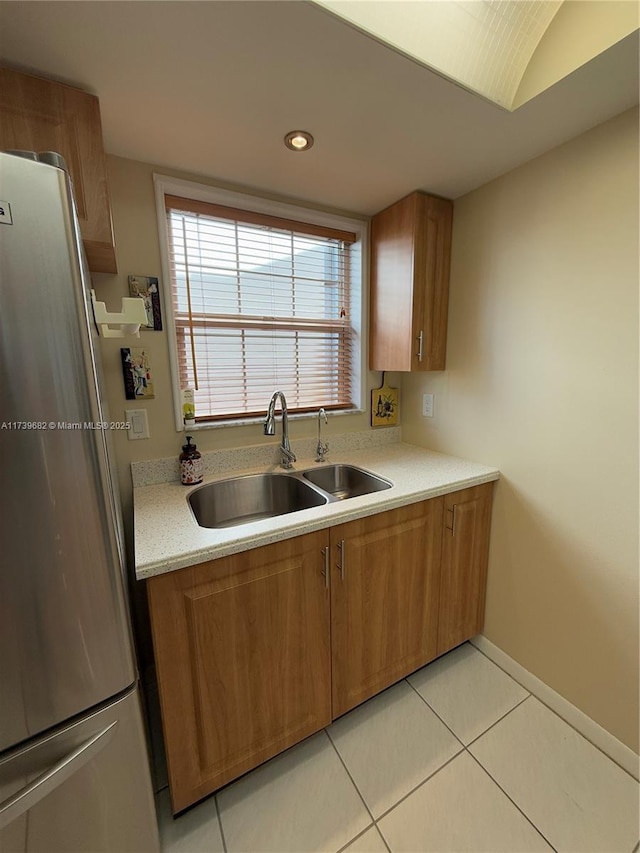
(484, 45)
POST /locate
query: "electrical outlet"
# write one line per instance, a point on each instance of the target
(139, 424)
(427, 405)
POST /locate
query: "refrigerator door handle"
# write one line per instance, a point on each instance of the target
(27, 797)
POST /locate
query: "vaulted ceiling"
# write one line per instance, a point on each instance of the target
(212, 88)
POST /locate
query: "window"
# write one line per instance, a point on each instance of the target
(262, 302)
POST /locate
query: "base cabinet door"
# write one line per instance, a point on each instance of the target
(384, 599)
(242, 649)
(463, 573)
(256, 651)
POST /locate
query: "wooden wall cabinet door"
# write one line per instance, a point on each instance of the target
(410, 262)
(41, 115)
(242, 648)
(463, 572)
(384, 599)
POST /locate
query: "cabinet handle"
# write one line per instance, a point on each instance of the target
(341, 564)
(453, 520)
(420, 345)
(325, 571)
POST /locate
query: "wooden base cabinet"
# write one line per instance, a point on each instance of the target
(463, 570)
(243, 661)
(384, 599)
(256, 651)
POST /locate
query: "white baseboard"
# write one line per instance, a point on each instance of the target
(592, 731)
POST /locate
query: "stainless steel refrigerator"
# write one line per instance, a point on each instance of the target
(74, 770)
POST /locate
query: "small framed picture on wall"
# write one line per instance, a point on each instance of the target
(136, 374)
(147, 287)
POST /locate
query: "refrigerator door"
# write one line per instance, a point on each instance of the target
(85, 788)
(64, 631)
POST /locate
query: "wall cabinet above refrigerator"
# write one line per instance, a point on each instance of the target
(410, 261)
(41, 115)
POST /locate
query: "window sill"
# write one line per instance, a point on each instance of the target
(238, 422)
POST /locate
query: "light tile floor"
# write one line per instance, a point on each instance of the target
(458, 757)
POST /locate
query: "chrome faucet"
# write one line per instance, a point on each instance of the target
(321, 448)
(288, 456)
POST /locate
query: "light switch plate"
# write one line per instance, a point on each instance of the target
(139, 424)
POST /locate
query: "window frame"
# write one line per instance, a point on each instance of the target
(166, 185)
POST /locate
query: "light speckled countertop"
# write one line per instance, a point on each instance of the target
(167, 536)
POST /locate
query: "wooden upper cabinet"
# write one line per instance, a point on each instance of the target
(384, 599)
(463, 572)
(410, 262)
(41, 115)
(242, 649)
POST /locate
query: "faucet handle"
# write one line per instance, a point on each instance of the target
(321, 449)
(288, 457)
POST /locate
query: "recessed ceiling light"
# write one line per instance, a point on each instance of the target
(298, 140)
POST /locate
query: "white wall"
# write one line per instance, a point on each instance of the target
(542, 381)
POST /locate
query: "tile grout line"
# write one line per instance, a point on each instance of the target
(435, 712)
(462, 749)
(528, 692)
(381, 834)
(466, 749)
(404, 797)
(419, 785)
(356, 837)
(553, 711)
(499, 720)
(513, 802)
(224, 840)
(364, 802)
(346, 769)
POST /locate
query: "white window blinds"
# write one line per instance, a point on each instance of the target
(259, 304)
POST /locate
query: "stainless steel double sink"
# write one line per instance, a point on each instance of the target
(253, 497)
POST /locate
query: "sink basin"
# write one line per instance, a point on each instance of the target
(345, 481)
(251, 498)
